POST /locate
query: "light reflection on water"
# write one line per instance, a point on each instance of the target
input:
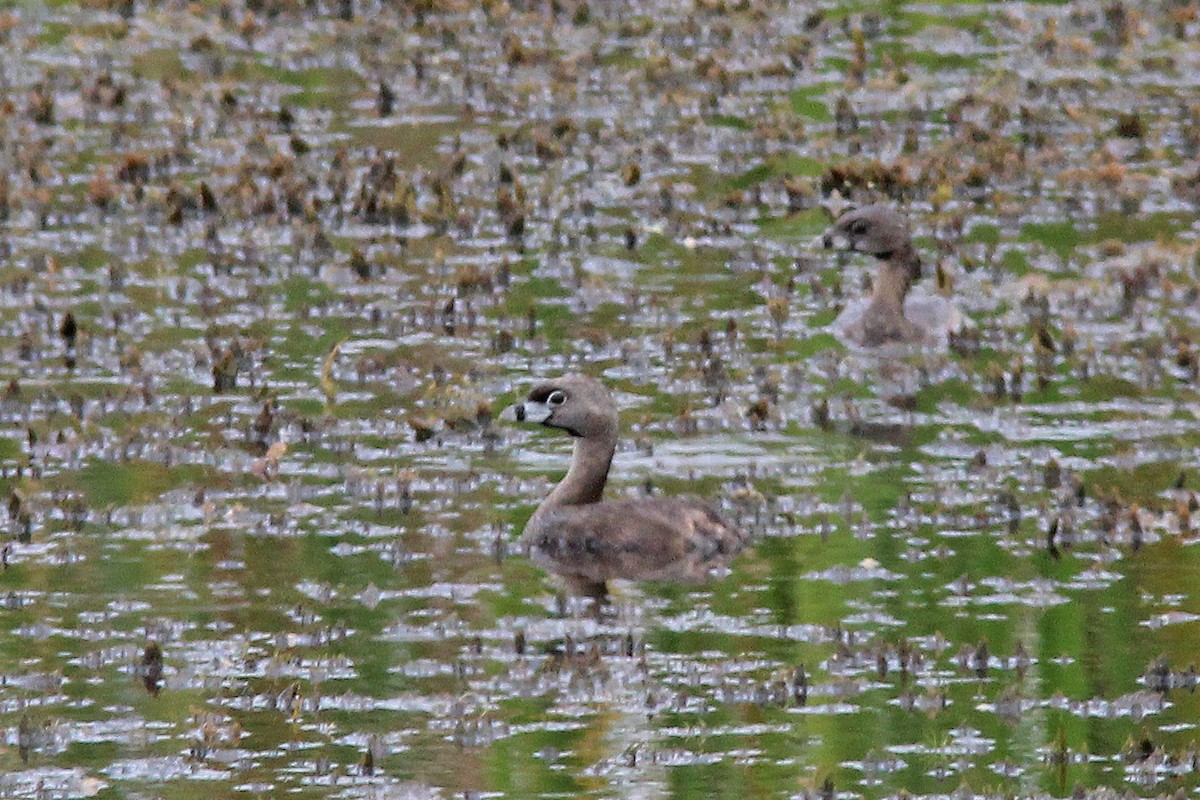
(974, 573)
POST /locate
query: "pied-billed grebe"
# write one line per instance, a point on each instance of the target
(590, 540)
(890, 315)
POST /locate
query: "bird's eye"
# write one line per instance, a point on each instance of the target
(859, 227)
(557, 397)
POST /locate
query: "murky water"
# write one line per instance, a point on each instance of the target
(271, 271)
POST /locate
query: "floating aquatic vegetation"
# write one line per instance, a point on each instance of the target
(269, 273)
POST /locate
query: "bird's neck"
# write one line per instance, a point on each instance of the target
(584, 481)
(894, 280)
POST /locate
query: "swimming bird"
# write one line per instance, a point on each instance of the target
(590, 540)
(890, 315)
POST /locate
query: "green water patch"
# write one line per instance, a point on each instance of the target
(1016, 262)
(314, 79)
(329, 88)
(730, 121)
(54, 33)
(983, 233)
(512, 766)
(10, 450)
(1065, 236)
(801, 225)
(664, 255)
(92, 258)
(1141, 484)
(1102, 388)
(754, 175)
(810, 102)
(1140, 227)
(810, 346)
(1096, 389)
(909, 20)
(302, 344)
(300, 293)
(877, 491)
(621, 58)
(955, 391)
(165, 339)
(792, 165)
(159, 64)
(106, 484)
(929, 60)
(412, 144)
(1061, 237)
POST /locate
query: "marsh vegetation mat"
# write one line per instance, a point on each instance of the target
(270, 270)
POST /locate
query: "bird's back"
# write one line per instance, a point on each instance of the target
(930, 320)
(635, 539)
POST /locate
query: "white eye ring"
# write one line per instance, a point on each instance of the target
(557, 397)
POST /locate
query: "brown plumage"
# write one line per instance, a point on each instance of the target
(590, 540)
(890, 315)
(667, 537)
